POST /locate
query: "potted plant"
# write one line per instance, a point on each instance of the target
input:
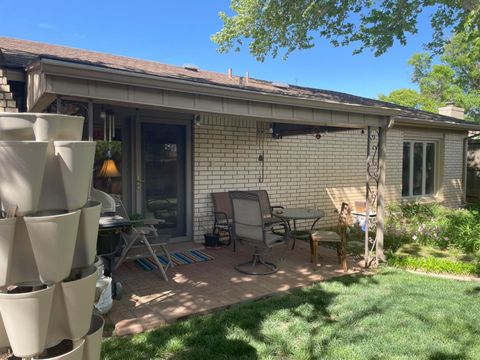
(211, 238)
(53, 238)
(22, 166)
(7, 234)
(93, 339)
(50, 127)
(86, 244)
(17, 126)
(75, 159)
(27, 309)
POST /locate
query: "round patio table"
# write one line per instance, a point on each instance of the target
(295, 214)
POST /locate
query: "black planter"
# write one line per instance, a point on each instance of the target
(211, 240)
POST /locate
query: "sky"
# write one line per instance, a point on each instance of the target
(178, 32)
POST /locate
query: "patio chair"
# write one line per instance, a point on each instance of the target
(142, 240)
(250, 229)
(339, 237)
(222, 212)
(267, 207)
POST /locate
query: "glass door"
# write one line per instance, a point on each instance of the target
(162, 173)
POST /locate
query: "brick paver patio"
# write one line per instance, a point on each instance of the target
(149, 302)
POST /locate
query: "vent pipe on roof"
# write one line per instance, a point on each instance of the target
(229, 73)
(451, 110)
(247, 77)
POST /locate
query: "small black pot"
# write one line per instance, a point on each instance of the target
(211, 240)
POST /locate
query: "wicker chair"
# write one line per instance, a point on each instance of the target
(249, 228)
(339, 237)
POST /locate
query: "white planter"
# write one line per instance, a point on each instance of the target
(22, 165)
(17, 126)
(93, 340)
(86, 245)
(3, 336)
(75, 354)
(76, 166)
(50, 127)
(7, 234)
(52, 196)
(72, 307)
(26, 317)
(53, 240)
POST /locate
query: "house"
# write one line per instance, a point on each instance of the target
(176, 134)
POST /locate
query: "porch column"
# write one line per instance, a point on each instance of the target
(382, 147)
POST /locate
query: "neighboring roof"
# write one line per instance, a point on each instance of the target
(20, 53)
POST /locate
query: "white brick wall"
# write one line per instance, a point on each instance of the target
(7, 103)
(302, 171)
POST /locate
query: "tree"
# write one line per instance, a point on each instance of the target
(272, 25)
(456, 78)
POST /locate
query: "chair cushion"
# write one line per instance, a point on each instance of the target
(327, 236)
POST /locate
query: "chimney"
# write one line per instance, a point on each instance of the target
(451, 110)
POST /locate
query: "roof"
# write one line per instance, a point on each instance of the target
(20, 53)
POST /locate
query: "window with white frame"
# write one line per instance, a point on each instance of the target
(419, 168)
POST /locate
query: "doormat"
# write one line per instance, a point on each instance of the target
(178, 258)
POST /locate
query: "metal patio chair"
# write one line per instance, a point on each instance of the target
(339, 237)
(222, 212)
(250, 229)
(143, 240)
(267, 207)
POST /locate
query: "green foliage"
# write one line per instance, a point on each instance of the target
(270, 26)
(433, 265)
(435, 225)
(456, 79)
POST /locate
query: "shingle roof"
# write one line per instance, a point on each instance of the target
(20, 53)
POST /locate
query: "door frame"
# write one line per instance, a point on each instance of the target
(162, 119)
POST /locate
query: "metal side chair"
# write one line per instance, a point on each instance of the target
(250, 229)
(222, 212)
(143, 240)
(267, 207)
(339, 237)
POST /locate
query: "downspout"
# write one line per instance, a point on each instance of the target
(465, 165)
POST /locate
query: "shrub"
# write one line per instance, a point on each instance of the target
(434, 265)
(434, 225)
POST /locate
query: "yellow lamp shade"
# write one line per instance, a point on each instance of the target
(109, 169)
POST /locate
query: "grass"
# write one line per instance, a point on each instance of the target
(434, 260)
(390, 315)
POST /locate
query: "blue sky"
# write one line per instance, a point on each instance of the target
(178, 32)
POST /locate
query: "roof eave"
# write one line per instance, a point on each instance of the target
(402, 120)
(92, 72)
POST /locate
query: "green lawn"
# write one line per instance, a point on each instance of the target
(391, 315)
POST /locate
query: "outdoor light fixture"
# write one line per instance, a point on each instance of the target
(197, 120)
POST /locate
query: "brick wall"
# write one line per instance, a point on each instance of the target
(7, 103)
(302, 171)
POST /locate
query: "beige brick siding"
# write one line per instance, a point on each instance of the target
(302, 171)
(7, 103)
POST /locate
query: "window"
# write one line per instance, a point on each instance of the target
(418, 168)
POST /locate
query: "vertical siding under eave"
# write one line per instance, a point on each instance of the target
(299, 171)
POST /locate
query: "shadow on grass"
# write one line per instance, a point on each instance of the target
(226, 334)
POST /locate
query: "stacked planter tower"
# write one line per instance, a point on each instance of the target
(48, 235)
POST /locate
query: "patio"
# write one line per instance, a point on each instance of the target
(149, 302)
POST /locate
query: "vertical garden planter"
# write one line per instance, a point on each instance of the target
(75, 354)
(86, 245)
(3, 336)
(15, 126)
(50, 127)
(76, 166)
(93, 340)
(53, 242)
(22, 165)
(26, 318)
(7, 234)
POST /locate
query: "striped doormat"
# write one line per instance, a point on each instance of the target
(178, 258)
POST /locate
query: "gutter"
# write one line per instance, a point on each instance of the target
(106, 74)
